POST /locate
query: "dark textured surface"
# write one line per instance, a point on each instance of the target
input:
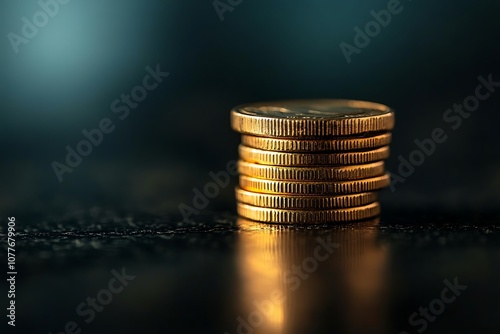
(199, 277)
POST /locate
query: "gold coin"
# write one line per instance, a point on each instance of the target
(311, 118)
(247, 225)
(269, 215)
(310, 159)
(303, 202)
(316, 145)
(317, 173)
(314, 188)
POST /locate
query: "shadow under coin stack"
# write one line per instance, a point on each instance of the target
(311, 161)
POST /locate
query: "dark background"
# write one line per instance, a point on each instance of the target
(65, 78)
(119, 207)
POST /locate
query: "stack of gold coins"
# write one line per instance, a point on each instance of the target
(311, 161)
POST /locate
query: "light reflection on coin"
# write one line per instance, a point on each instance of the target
(312, 202)
(314, 109)
(314, 188)
(268, 215)
(311, 118)
(317, 145)
(311, 159)
(314, 173)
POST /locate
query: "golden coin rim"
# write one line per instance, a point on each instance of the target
(313, 187)
(263, 157)
(270, 215)
(280, 201)
(268, 108)
(248, 225)
(269, 126)
(308, 173)
(316, 145)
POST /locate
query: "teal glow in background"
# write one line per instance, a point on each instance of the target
(64, 80)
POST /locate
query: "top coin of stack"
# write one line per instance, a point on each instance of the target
(311, 161)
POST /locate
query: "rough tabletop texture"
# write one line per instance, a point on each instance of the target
(405, 272)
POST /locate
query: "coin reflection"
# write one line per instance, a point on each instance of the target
(295, 278)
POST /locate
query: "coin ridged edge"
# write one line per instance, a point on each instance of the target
(307, 217)
(303, 202)
(316, 173)
(310, 159)
(307, 127)
(316, 145)
(314, 188)
(245, 224)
